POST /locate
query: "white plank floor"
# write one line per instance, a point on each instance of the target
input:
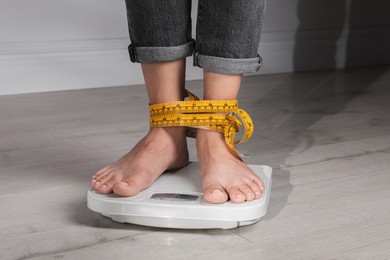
(327, 135)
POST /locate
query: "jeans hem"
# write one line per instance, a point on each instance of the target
(228, 65)
(160, 54)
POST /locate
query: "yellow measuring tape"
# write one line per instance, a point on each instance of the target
(204, 114)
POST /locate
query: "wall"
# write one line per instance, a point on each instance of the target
(50, 45)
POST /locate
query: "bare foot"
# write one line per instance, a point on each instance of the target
(224, 175)
(160, 150)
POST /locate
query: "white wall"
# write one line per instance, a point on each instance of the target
(49, 45)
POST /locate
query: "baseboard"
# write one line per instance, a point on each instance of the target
(56, 66)
(53, 66)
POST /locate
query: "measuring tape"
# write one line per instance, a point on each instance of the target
(216, 115)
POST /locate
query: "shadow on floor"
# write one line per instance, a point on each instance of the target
(302, 99)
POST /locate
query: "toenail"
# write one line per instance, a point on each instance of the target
(216, 190)
(239, 195)
(98, 183)
(104, 186)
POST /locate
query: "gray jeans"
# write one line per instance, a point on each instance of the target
(227, 33)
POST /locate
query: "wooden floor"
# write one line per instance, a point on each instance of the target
(326, 134)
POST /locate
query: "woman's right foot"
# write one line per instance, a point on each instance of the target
(160, 150)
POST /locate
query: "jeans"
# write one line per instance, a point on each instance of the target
(227, 33)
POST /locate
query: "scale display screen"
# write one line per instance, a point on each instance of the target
(174, 197)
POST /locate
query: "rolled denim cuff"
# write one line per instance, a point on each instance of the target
(160, 54)
(227, 65)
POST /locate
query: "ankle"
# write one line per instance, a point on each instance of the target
(171, 135)
(178, 132)
(208, 136)
(211, 143)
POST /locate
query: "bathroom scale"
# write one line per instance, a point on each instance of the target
(175, 200)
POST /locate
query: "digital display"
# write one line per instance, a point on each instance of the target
(174, 197)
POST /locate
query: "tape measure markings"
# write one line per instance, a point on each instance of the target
(216, 115)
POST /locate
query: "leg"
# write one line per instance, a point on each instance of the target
(164, 81)
(225, 51)
(224, 175)
(161, 149)
(162, 57)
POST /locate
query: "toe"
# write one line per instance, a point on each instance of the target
(95, 184)
(133, 184)
(127, 187)
(255, 189)
(259, 183)
(101, 174)
(236, 195)
(103, 179)
(247, 191)
(106, 187)
(215, 194)
(97, 178)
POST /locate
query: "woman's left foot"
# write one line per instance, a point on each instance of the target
(224, 175)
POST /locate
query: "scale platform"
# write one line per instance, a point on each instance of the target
(175, 200)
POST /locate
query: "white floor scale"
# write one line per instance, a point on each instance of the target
(175, 201)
